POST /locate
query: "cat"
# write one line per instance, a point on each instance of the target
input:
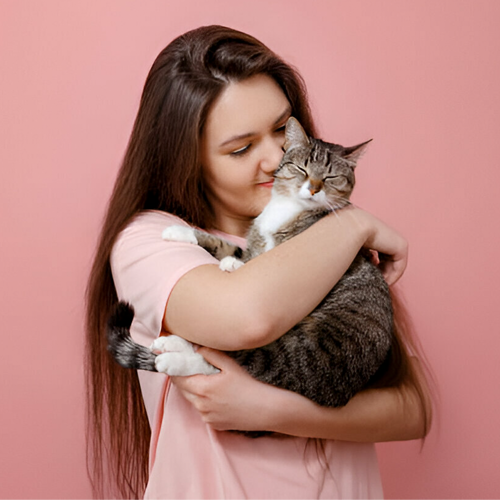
(336, 350)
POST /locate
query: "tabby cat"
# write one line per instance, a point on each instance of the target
(335, 351)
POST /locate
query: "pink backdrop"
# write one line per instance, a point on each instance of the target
(421, 78)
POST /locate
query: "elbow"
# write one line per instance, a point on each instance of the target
(418, 415)
(258, 335)
(254, 330)
(421, 400)
(424, 422)
(416, 428)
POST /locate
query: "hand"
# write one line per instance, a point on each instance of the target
(231, 399)
(393, 266)
(392, 247)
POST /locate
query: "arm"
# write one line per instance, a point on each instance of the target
(265, 298)
(234, 400)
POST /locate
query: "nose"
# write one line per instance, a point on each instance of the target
(271, 155)
(314, 186)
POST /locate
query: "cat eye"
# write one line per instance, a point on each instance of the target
(293, 172)
(339, 181)
(296, 167)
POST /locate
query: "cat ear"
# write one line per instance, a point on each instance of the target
(294, 134)
(354, 153)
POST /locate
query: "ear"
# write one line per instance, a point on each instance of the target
(294, 134)
(354, 153)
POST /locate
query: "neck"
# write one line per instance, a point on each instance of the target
(233, 225)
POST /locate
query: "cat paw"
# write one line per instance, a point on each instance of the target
(179, 364)
(180, 233)
(171, 343)
(230, 264)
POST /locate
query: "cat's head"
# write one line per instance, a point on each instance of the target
(317, 172)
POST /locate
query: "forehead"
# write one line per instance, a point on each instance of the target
(247, 107)
(319, 155)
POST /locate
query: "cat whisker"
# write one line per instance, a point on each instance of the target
(337, 215)
(343, 203)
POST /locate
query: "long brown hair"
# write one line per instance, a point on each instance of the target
(161, 170)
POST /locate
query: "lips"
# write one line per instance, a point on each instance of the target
(267, 184)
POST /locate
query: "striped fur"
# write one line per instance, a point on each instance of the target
(126, 352)
(336, 350)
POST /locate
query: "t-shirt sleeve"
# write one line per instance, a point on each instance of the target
(145, 269)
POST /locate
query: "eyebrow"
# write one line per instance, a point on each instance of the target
(288, 111)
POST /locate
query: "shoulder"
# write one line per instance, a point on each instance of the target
(149, 222)
(145, 267)
(144, 229)
(155, 217)
(140, 248)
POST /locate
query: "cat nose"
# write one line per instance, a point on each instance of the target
(314, 187)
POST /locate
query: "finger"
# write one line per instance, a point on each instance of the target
(392, 271)
(387, 270)
(192, 384)
(196, 395)
(392, 267)
(217, 358)
(189, 396)
(374, 257)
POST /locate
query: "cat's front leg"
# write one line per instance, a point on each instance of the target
(177, 357)
(179, 364)
(230, 264)
(214, 245)
(171, 343)
(180, 233)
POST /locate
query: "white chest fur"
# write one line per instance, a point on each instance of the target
(277, 213)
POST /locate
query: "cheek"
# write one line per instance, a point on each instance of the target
(237, 184)
(222, 178)
(304, 191)
(321, 197)
(290, 187)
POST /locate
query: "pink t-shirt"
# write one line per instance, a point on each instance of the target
(188, 459)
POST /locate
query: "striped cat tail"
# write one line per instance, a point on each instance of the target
(125, 351)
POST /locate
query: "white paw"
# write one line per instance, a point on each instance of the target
(179, 233)
(171, 343)
(230, 264)
(182, 364)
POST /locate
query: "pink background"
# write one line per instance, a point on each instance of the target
(420, 77)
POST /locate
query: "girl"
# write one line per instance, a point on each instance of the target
(207, 137)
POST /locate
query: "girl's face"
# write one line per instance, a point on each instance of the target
(241, 146)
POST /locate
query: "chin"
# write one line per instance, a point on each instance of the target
(256, 210)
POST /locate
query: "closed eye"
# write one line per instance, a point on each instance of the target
(302, 171)
(340, 182)
(287, 173)
(241, 151)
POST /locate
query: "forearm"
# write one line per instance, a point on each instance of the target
(266, 297)
(233, 400)
(374, 415)
(284, 285)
